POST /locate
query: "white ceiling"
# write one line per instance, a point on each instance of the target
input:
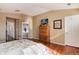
(33, 9)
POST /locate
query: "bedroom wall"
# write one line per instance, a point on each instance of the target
(20, 18)
(56, 35)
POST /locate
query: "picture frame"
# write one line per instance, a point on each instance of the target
(57, 24)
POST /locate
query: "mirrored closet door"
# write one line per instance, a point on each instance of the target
(10, 29)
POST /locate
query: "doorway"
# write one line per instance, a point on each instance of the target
(10, 29)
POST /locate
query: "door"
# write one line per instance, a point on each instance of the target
(25, 30)
(72, 30)
(10, 29)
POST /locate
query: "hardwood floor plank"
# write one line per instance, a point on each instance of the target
(61, 49)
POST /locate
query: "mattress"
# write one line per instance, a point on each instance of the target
(23, 47)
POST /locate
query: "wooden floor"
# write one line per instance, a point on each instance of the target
(60, 49)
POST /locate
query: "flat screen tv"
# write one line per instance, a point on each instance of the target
(44, 21)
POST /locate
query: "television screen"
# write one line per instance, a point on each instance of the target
(44, 21)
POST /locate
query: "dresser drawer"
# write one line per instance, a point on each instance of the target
(44, 33)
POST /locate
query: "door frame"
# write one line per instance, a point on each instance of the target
(14, 26)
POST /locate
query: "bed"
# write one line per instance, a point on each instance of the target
(23, 47)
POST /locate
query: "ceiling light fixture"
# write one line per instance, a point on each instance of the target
(68, 4)
(17, 10)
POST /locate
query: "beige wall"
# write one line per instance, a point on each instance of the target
(56, 35)
(20, 18)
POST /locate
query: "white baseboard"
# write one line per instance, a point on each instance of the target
(72, 45)
(35, 38)
(58, 43)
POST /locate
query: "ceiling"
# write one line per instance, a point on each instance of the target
(33, 9)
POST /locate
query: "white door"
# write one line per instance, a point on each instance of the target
(72, 30)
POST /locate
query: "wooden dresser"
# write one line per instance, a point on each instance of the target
(44, 33)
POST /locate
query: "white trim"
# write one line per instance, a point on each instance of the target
(58, 43)
(35, 38)
(72, 45)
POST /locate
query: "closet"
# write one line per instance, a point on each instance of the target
(72, 30)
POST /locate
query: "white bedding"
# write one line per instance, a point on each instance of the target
(24, 46)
